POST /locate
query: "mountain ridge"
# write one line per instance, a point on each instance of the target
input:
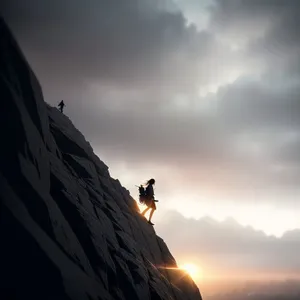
(68, 230)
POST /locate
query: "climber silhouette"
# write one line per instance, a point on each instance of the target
(150, 202)
(61, 106)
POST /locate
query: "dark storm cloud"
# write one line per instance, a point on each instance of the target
(229, 246)
(123, 66)
(132, 43)
(274, 23)
(225, 15)
(97, 39)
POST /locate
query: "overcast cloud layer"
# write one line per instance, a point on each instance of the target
(207, 91)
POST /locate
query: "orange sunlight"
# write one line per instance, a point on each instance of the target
(194, 271)
(191, 269)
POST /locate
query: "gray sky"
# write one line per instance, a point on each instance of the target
(201, 95)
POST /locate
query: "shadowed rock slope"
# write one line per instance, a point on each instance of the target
(67, 229)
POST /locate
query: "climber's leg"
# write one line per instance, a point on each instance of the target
(145, 211)
(150, 217)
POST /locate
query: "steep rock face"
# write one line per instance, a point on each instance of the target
(67, 229)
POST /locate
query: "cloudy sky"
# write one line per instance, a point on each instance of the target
(201, 95)
(227, 251)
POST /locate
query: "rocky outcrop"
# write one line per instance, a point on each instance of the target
(67, 229)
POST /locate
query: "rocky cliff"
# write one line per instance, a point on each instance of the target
(67, 229)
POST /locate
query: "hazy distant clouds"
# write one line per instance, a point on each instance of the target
(228, 249)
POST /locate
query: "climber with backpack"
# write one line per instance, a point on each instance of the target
(147, 197)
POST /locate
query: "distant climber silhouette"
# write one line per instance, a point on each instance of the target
(61, 106)
(147, 197)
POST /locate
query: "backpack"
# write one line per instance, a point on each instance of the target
(142, 195)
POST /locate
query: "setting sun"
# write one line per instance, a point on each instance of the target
(192, 270)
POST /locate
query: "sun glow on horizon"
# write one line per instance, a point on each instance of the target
(192, 270)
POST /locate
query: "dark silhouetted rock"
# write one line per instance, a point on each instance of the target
(67, 229)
